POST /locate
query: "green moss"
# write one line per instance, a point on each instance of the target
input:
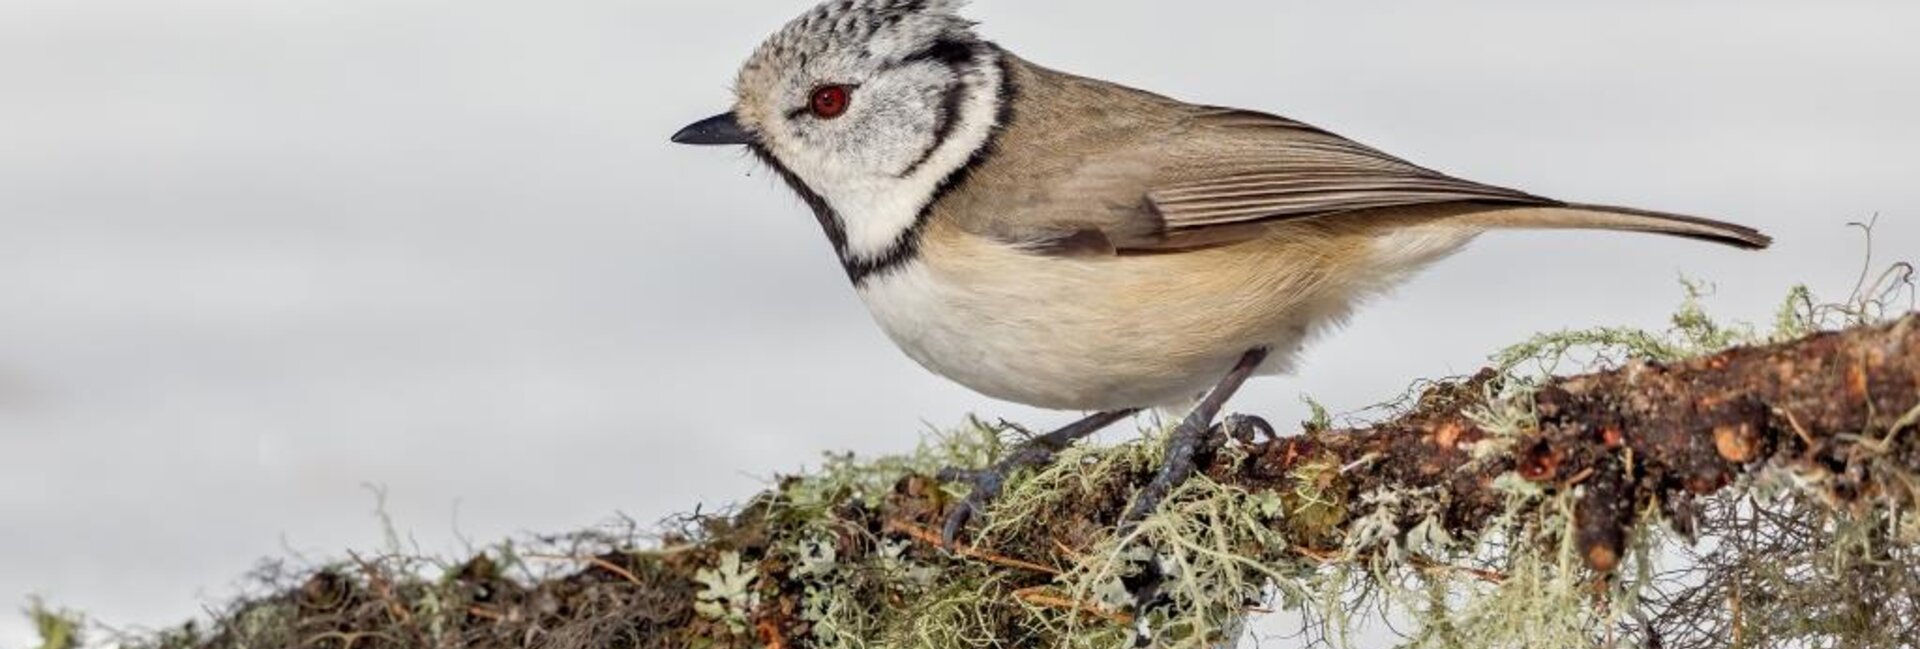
(1316, 505)
(58, 628)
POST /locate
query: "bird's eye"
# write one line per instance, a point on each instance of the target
(829, 101)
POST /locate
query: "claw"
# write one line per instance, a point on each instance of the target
(1247, 429)
(956, 521)
(986, 487)
(988, 483)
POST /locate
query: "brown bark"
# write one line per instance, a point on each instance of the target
(1653, 431)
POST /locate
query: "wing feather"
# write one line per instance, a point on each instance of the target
(1272, 167)
(1149, 174)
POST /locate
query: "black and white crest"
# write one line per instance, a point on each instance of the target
(871, 29)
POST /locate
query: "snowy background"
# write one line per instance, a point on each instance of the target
(255, 254)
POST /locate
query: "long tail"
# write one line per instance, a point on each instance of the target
(1605, 217)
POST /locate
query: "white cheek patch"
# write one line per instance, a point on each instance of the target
(877, 208)
(899, 128)
(876, 222)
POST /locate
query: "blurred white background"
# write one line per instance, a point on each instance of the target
(255, 254)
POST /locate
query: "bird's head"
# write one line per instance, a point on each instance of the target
(866, 107)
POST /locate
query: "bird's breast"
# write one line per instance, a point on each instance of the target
(1017, 345)
(1097, 333)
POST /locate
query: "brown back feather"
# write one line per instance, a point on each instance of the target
(1147, 174)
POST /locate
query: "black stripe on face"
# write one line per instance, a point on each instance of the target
(946, 118)
(959, 57)
(907, 247)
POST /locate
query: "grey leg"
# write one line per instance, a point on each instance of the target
(1036, 452)
(1187, 439)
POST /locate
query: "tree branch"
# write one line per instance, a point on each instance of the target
(850, 551)
(1817, 406)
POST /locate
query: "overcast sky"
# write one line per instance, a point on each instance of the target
(257, 253)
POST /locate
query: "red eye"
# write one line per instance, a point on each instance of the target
(829, 102)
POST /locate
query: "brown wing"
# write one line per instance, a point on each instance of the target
(1088, 166)
(1241, 167)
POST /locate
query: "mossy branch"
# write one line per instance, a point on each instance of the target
(1826, 408)
(1495, 511)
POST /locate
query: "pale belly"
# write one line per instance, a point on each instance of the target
(1104, 333)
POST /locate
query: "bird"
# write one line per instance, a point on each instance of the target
(1077, 244)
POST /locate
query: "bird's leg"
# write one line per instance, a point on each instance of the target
(1035, 452)
(1185, 442)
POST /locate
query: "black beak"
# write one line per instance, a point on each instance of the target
(716, 130)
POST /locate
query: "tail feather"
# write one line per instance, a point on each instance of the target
(1606, 217)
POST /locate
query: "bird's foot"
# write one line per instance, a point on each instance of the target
(1248, 430)
(1189, 439)
(989, 482)
(1192, 439)
(1184, 452)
